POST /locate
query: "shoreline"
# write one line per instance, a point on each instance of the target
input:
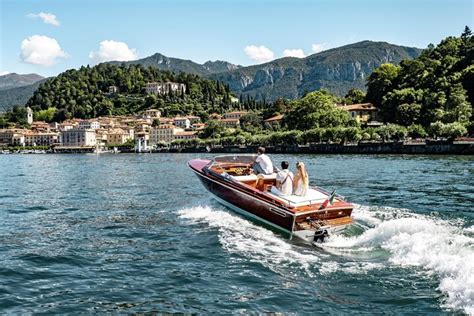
(369, 148)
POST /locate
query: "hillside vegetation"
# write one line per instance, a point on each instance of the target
(84, 93)
(438, 86)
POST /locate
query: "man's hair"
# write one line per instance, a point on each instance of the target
(261, 150)
(284, 164)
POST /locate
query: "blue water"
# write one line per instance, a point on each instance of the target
(137, 233)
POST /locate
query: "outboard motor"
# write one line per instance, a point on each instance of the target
(320, 235)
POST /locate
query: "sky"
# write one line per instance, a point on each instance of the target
(49, 36)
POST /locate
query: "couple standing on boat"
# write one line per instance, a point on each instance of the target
(286, 182)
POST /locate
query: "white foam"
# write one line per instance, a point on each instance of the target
(436, 245)
(469, 229)
(256, 243)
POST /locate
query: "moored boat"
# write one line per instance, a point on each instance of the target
(311, 218)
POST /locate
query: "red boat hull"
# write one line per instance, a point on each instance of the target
(245, 201)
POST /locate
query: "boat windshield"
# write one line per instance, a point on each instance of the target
(235, 159)
(232, 164)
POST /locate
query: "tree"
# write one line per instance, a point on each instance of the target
(45, 115)
(393, 101)
(316, 109)
(408, 114)
(416, 131)
(214, 129)
(380, 82)
(354, 96)
(251, 122)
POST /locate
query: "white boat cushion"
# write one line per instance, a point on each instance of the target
(250, 177)
(253, 177)
(312, 196)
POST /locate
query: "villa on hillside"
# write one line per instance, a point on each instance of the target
(234, 114)
(230, 122)
(186, 135)
(362, 112)
(161, 88)
(274, 119)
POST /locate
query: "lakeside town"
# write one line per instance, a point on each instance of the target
(143, 132)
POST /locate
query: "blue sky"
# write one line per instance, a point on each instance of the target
(50, 36)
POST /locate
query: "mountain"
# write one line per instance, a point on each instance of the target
(13, 80)
(219, 66)
(163, 62)
(18, 95)
(337, 70)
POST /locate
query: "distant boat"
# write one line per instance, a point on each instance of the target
(310, 218)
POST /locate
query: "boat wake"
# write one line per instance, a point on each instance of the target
(440, 247)
(394, 236)
(240, 236)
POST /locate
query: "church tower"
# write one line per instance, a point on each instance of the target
(29, 115)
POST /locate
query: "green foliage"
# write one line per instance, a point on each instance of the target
(251, 122)
(449, 130)
(45, 115)
(392, 132)
(83, 93)
(416, 131)
(437, 86)
(316, 109)
(380, 82)
(213, 129)
(354, 96)
(17, 115)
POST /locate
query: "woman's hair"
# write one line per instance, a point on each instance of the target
(302, 171)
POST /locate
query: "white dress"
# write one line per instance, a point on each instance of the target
(300, 189)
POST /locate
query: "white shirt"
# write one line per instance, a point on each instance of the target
(285, 178)
(265, 162)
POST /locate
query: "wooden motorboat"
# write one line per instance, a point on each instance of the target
(311, 218)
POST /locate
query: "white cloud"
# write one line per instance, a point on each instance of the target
(319, 47)
(41, 50)
(47, 18)
(260, 54)
(3, 73)
(293, 53)
(110, 50)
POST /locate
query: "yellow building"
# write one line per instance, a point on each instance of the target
(118, 136)
(41, 138)
(164, 133)
(362, 112)
(234, 114)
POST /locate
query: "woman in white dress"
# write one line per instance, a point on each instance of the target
(301, 180)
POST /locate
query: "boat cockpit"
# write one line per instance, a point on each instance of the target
(239, 168)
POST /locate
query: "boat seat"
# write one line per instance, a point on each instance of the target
(253, 177)
(248, 178)
(312, 197)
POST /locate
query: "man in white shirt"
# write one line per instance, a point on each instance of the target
(263, 163)
(284, 180)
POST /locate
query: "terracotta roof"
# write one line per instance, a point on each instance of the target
(186, 133)
(275, 118)
(166, 126)
(359, 106)
(236, 112)
(230, 120)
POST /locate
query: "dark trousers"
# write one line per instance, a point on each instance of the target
(257, 169)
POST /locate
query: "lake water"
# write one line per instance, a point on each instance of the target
(138, 233)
